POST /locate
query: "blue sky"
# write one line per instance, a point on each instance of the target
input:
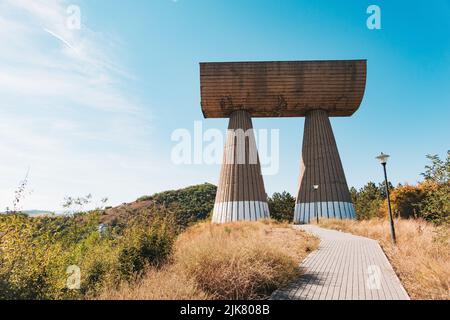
(93, 110)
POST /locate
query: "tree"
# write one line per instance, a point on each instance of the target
(436, 205)
(368, 200)
(439, 170)
(282, 206)
(406, 201)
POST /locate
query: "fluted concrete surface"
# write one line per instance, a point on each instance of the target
(321, 165)
(240, 194)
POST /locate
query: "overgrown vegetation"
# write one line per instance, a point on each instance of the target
(109, 246)
(429, 199)
(188, 205)
(235, 261)
(35, 253)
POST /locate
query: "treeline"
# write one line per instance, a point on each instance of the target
(429, 199)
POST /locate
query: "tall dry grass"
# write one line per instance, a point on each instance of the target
(234, 261)
(421, 257)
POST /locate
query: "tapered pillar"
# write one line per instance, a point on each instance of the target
(321, 166)
(240, 194)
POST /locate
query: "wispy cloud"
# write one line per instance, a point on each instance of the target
(42, 56)
(66, 110)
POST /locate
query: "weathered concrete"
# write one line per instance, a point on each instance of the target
(345, 267)
(240, 194)
(321, 165)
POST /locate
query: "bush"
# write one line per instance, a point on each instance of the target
(28, 266)
(405, 202)
(435, 206)
(147, 246)
(36, 252)
(429, 199)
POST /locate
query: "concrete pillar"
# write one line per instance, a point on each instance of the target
(321, 165)
(240, 194)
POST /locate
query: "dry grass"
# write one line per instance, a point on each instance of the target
(168, 283)
(234, 261)
(421, 257)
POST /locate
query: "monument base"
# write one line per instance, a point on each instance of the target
(306, 212)
(240, 211)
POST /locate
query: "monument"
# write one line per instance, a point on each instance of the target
(315, 90)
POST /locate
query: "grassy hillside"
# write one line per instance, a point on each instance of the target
(185, 206)
(109, 246)
(143, 250)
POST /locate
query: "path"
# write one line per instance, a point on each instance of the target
(345, 267)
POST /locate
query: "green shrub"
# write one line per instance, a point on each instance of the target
(36, 252)
(282, 206)
(436, 205)
(130, 262)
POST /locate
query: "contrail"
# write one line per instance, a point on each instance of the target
(59, 38)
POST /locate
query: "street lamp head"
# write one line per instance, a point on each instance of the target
(315, 187)
(383, 158)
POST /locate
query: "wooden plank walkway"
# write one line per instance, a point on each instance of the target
(345, 267)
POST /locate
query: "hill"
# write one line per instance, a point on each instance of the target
(35, 213)
(38, 213)
(187, 205)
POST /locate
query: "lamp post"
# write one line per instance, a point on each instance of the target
(383, 158)
(315, 188)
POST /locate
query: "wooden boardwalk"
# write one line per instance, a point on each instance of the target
(345, 267)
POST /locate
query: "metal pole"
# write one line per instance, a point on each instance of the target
(315, 206)
(391, 220)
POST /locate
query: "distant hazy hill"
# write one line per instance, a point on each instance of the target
(35, 213)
